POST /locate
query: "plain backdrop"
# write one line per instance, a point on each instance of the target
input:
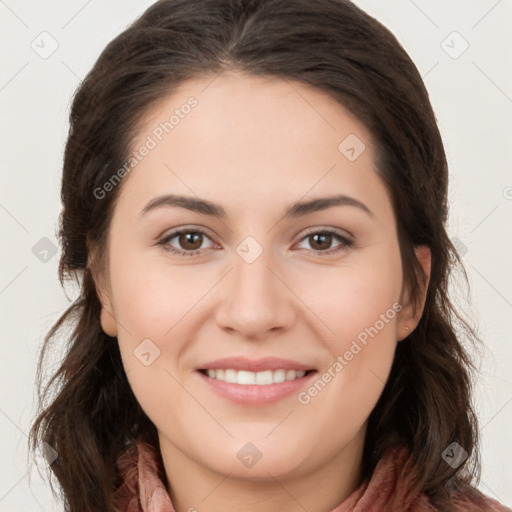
(463, 50)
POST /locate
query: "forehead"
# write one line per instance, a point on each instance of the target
(252, 138)
(251, 114)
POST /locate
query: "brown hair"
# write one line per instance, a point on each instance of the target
(88, 412)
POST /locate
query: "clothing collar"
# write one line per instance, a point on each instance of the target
(143, 488)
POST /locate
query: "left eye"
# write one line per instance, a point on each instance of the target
(321, 240)
(190, 242)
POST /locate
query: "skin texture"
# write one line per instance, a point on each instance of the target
(255, 145)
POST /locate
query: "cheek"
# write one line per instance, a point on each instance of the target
(150, 297)
(163, 304)
(155, 307)
(359, 304)
(355, 296)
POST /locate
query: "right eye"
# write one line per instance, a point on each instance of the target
(189, 241)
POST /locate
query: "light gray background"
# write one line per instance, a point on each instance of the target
(472, 97)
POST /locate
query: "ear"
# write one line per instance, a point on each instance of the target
(409, 316)
(101, 282)
(107, 320)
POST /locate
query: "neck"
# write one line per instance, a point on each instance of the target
(196, 488)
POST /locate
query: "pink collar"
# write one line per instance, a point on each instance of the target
(143, 488)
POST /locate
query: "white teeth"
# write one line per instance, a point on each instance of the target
(230, 376)
(263, 378)
(279, 375)
(292, 374)
(246, 377)
(260, 378)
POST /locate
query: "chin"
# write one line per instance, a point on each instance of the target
(260, 458)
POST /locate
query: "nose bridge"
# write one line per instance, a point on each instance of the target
(253, 279)
(256, 301)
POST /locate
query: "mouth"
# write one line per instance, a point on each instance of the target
(255, 382)
(247, 378)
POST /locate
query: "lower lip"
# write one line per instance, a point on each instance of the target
(255, 394)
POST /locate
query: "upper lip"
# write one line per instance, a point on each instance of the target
(254, 365)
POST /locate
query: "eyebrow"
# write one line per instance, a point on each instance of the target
(297, 209)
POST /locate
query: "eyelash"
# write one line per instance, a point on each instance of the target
(345, 242)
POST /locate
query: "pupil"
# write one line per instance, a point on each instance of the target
(187, 239)
(323, 237)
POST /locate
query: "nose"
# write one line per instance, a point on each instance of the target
(257, 302)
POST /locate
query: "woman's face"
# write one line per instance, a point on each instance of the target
(254, 295)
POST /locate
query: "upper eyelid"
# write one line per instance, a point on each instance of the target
(174, 232)
(321, 229)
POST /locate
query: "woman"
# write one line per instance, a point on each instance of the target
(254, 200)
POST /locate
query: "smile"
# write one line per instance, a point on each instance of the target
(263, 378)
